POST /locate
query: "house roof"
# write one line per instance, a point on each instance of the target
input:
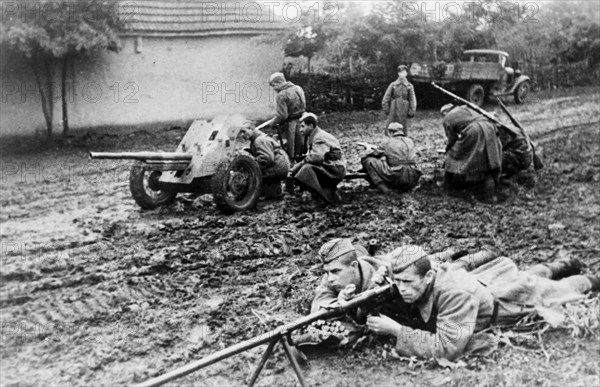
(200, 17)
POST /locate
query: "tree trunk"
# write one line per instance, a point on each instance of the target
(308, 64)
(46, 101)
(65, 114)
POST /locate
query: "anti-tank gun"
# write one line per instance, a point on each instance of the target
(209, 159)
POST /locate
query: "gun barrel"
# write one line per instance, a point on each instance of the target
(142, 156)
(276, 334)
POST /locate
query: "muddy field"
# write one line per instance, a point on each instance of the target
(97, 292)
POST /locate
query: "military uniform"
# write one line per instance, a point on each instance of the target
(456, 121)
(474, 151)
(290, 103)
(325, 296)
(324, 166)
(458, 305)
(399, 103)
(273, 161)
(517, 153)
(395, 164)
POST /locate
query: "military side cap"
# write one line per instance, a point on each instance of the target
(276, 77)
(309, 115)
(334, 249)
(360, 251)
(405, 256)
(402, 68)
(395, 126)
(446, 108)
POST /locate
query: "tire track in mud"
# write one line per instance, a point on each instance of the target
(556, 133)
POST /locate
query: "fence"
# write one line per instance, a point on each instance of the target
(326, 92)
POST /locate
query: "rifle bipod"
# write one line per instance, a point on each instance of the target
(280, 334)
(288, 351)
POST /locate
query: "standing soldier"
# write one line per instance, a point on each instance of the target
(399, 102)
(290, 103)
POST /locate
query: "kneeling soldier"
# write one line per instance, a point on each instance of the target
(273, 161)
(393, 166)
(324, 166)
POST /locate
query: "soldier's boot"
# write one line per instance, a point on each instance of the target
(384, 188)
(489, 188)
(289, 185)
(565, 267)
(595, 280)
(473, 261)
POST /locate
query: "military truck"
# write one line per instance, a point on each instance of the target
(480, 74)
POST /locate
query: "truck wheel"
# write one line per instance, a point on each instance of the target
(476, 94)
(143, 185)
(522, 91)
(236, 185)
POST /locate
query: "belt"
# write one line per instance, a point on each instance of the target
(293, 117)
(495, 307)
(401, 165)
(494, 312)
(333, 155)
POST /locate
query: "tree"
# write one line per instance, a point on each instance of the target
(305, 42)
(53, 34)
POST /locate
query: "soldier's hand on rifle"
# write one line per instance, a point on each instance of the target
(347, 293)
(383, 325)
(379, 276)
(295, 169)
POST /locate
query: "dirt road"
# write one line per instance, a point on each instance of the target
(95, 291)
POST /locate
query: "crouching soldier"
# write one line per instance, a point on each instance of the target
(473, 151)
(273, 161)
(324, 165)
(394, 166)
(454, 306)
(517, 153)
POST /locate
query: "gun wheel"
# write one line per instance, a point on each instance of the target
(236, 185)
(144, 187)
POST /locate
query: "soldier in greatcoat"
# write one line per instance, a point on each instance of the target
(473, 150)
(399, 101)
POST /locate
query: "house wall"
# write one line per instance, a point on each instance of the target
(169, 79)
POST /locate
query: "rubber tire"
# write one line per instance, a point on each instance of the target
(220, 185)
(522, 91)
(476, 94)
(137, 175)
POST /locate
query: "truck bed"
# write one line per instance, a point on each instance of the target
(459, 71)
